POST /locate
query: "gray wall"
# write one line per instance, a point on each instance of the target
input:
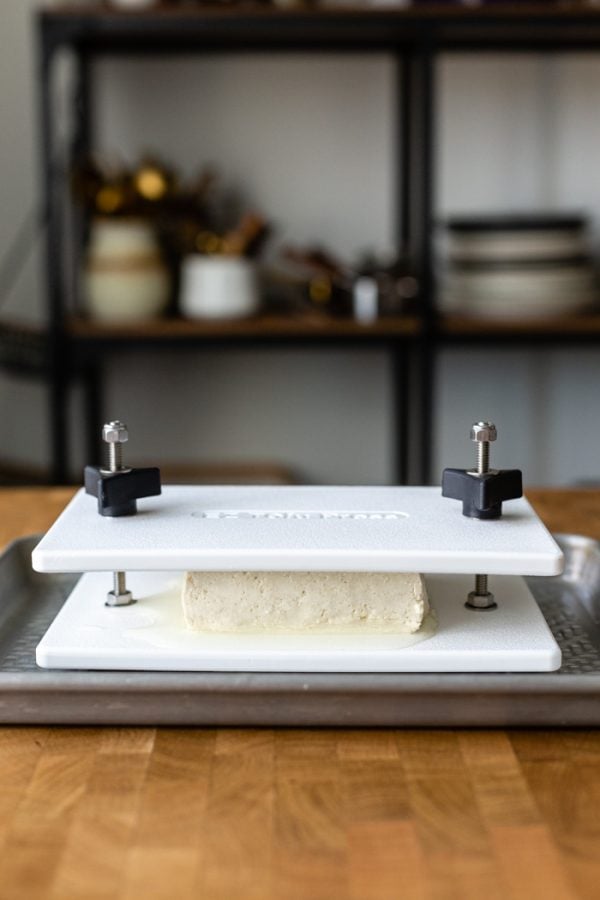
(309, 140)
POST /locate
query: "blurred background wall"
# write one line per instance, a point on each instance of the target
(309, 141)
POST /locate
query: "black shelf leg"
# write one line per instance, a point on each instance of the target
(415, 226)
(58, 375)
(400, 363)
(80, 150)
(426, 363)
(93, 404)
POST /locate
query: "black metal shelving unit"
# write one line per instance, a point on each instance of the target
(414, 37)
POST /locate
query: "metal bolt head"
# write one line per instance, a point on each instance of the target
(115, 433)
(483, 431)
(125, 598)
(476, 600)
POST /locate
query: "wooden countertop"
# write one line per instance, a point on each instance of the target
(237, 814)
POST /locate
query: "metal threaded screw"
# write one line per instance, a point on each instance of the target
(115, 434)
(115, 457)
(481, 597)
(483, 433)
(120, 585)
(120, 595)
(481, 584)
(483, 457)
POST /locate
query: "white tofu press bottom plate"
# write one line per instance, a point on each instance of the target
(152, 635)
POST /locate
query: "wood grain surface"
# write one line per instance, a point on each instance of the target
(238, 814)
(305, 325)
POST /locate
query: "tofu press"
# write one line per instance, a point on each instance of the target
(155, 534)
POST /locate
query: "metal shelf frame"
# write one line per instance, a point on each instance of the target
(415, 37)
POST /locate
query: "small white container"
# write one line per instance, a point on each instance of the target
(218, 287)
(365, 300)
(125, 277)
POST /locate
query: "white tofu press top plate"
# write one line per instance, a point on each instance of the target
(352, 529)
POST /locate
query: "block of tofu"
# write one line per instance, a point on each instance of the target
(286, 602)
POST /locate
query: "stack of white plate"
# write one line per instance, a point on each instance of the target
(516, 266)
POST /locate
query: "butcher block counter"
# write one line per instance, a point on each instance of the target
(264, 813)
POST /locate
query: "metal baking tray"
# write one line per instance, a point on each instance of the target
(28, 695)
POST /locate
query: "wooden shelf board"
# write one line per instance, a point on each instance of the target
(253, 26)
(455, 325)
(316, 327)
(510, 11)
(259, 328)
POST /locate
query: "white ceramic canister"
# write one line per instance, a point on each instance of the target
(125, 276)
(218, 287)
